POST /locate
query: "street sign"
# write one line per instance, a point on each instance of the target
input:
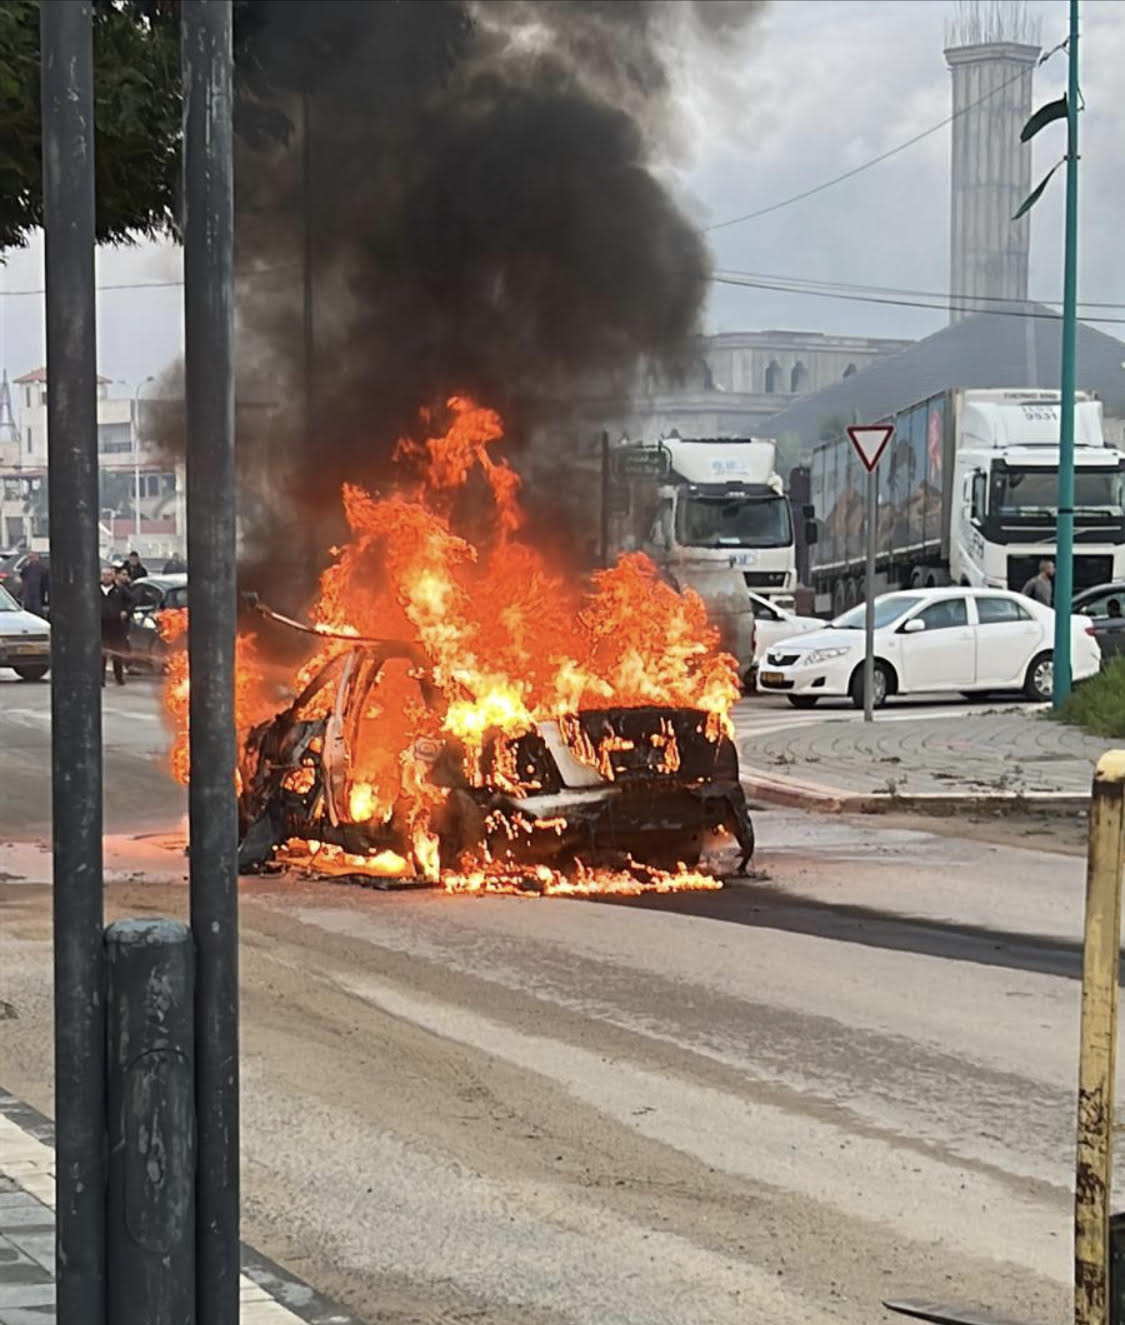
(870, 441)
(640, 462)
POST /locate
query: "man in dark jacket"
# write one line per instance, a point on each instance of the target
(117, 602)
(34, 594)
(135, 566)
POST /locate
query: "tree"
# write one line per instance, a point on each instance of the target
(137, 111)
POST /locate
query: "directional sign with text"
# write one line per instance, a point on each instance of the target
(870, 441)
(641, 462)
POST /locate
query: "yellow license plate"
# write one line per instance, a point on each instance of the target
(771, 678)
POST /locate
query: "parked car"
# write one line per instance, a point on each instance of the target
(1105, 606)
(928, 640)
(25, 640)
(152, 595)
(773, 623)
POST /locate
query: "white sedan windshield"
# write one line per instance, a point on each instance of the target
(7, 602)
(887, 612)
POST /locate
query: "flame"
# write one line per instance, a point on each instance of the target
(505, 641)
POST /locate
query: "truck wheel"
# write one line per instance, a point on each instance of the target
(803, 701)
(1039, 683)
(31, 673)
(839, 599)
(882, 686)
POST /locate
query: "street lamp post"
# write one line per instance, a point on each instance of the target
(134, 440)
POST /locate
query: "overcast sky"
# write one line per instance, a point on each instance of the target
(818, 87)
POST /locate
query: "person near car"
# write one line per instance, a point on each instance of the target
(175, 565)
(34, 589)
(1113, 608)
(1041, 586)
(135, 566)
(116, 604)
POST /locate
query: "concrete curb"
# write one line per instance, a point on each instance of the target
(794, 794)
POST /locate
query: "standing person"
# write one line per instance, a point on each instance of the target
(1041, 587)
(116, 601)
(175, 565)
(135, 566)
(34, 585)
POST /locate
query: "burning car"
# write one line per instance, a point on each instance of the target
(613, 787)
(472, 715)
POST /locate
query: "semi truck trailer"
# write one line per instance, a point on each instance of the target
(968, 495)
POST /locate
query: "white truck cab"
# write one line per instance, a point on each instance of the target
(1005, 490)
(713, 514)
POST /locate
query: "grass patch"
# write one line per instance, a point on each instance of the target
(1098, 705)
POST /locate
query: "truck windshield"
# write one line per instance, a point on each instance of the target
(738, 521)
(1018, 492)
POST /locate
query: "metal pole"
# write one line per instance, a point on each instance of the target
(135, 439)
(605, 500)
(150, 1206)
(1098, 1042)
(313, 551)
(209, 393)
(869, 617)
(76, 720)
(1064, 565)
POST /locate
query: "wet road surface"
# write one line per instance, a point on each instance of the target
(849, 1078)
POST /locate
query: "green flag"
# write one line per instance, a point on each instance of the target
(1033, 197)
(1053, 110)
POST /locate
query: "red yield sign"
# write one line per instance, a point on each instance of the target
(870, 441)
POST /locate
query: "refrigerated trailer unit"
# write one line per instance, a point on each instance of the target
(968, 495)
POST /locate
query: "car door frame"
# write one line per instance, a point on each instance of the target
(906, 644)
(1029, 625)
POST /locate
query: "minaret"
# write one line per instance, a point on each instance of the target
(991, 50)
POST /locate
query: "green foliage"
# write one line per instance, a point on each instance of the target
(1098, 705)
(137, 113)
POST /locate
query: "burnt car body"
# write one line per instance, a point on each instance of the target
(604, 786)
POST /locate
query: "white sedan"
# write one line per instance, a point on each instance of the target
(773, 623)
(926, 641)
(25, 640)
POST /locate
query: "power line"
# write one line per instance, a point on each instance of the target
(801, 282)
(946, 305)
(155, 285)
(877, 160)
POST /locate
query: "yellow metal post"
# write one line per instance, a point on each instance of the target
(1097, 1055)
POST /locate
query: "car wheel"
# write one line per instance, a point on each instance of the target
(803, 701)
(881, 686)
(31, 673)
(1039, 684)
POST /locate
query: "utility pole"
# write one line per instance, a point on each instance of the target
(1065, 108)
(134, 421)
(67, 88)
(1064, 566)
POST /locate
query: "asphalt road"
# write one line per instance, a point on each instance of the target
(138, 794)
(850, 1078)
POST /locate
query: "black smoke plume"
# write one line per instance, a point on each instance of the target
(468, 190)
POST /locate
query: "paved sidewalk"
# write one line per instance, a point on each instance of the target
(992, 756)
(27, 1240)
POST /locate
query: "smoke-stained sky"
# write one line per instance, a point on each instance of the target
(816, 86)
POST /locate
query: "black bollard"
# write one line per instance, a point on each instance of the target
(150, 1201)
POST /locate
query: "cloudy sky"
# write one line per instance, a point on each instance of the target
(817, 88)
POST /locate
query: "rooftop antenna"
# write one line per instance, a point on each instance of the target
(987, 22)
